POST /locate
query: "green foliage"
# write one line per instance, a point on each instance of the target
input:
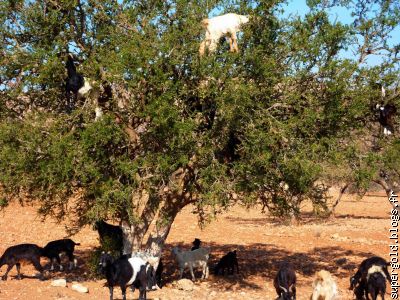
(93, 264)
(287, 109)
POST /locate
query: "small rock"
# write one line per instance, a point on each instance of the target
(59, 282)
(335, 236)
(184, 284)
(79, 288)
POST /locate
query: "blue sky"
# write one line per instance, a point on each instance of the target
(340, 14)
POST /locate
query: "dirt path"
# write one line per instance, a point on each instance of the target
(360, 230)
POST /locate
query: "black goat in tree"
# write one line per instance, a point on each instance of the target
(75, 86)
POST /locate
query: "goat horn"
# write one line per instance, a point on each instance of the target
(285, 290)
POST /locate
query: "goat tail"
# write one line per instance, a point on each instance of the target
(205, 23)
(77, 244)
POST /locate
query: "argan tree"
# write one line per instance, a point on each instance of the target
(276, 123)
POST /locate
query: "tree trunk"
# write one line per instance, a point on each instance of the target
(388, 190)
(163, 211)
(156, 241)
(128, 237)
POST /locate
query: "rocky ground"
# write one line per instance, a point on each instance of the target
(360, 229)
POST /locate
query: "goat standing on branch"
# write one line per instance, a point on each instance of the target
(75, 83)
(228, 24)
(386, 113)
(82, 88)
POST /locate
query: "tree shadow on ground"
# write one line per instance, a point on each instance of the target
(258, 259)
(264, 260)
(352, 216)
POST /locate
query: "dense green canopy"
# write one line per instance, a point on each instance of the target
(277, 123)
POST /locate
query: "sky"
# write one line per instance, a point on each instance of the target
(340, 14)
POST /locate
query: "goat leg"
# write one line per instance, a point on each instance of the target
(142, 293)
(385, 270)
(123, 289)
(71, 259)
(191, 272)
(367, 295)
(38, 266)
(4, 277)
(234, 42)
(111, 292)
(59, 262)
(203, 272)
(18, 266)
(231, 48)
(52, 263)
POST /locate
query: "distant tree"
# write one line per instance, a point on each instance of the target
(276, 124)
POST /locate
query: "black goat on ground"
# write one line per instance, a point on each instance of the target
(53, 250)
(125, 272)
(196, 244)
(22, 252)
(229, 261)
(386, 113)
(110, 236)
(285, 283)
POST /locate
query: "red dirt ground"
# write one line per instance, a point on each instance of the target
(360, 229)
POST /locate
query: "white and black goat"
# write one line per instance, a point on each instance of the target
(324, 287)
(358, 282)
(195, 258)
(227, 262)
(285, 283)
(124, 272)
(376, 283)
(217, 27)
(22, 252)
(76, 86)
(79, 87)
(156, 264)
(111, 235)
(386, 114)
(54, 249)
